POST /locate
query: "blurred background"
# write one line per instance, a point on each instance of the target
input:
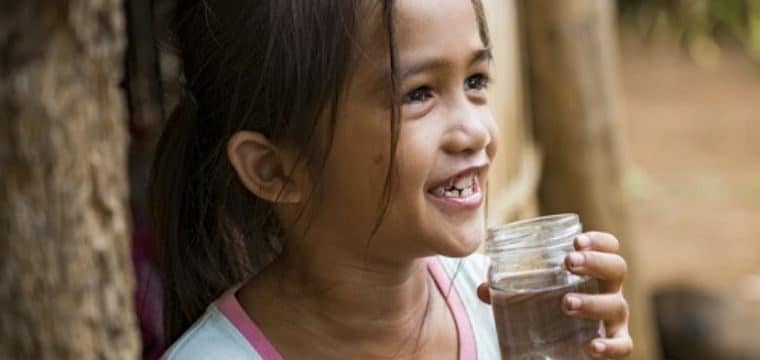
(690, 76)
(643, 116)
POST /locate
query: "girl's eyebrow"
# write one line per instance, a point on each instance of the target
(436, 63)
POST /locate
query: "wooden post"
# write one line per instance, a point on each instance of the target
(515, 172)
(572, 96)
(66, 281)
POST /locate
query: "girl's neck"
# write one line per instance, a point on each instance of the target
(347, 300)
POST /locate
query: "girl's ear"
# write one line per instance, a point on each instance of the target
(261, 167)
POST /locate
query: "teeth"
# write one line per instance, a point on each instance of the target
(462, 188)
(464, 182)
(453, 193)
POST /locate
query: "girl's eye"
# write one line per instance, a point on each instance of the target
(418, 95)
(477, 82)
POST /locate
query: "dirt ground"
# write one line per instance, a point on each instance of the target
(692, 135)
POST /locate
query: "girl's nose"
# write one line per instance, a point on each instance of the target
(468, 132)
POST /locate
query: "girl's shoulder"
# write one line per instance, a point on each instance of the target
(224, 333)
(213, 336)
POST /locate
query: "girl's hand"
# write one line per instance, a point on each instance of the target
(596, 256)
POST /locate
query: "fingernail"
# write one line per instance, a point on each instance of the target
(572, 302)
(582, 241)
(575, 259)
(598, 346)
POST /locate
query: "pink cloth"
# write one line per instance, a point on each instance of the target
(229, 306)
(467, 349)
(231, 309)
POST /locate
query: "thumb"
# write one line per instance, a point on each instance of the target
(484, 294)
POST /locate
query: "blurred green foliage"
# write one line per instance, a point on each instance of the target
(700, 25)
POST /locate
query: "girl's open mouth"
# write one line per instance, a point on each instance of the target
(462, 191)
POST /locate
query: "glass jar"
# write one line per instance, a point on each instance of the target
(528, 281)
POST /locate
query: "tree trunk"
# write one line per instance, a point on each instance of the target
(572, 91)
(65, 275)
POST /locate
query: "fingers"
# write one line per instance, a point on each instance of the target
(612, 308)
(608, 267)
(484, 293)
(612, 348)
(598, 241)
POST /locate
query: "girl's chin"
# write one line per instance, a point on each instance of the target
(462, 243)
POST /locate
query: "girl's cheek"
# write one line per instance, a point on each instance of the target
(493, 129)
(417, 148)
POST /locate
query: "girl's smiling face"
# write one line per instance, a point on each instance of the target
(446, 142)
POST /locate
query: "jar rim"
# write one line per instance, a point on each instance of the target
(524, 234)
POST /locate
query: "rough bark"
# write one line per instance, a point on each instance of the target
(65, 276)
(572, 88)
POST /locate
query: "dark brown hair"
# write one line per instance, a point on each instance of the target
(270, 66)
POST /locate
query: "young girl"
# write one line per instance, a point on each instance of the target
(319, 191)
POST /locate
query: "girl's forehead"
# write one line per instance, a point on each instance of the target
(422, 28)
(419, 20)
(445, 30)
